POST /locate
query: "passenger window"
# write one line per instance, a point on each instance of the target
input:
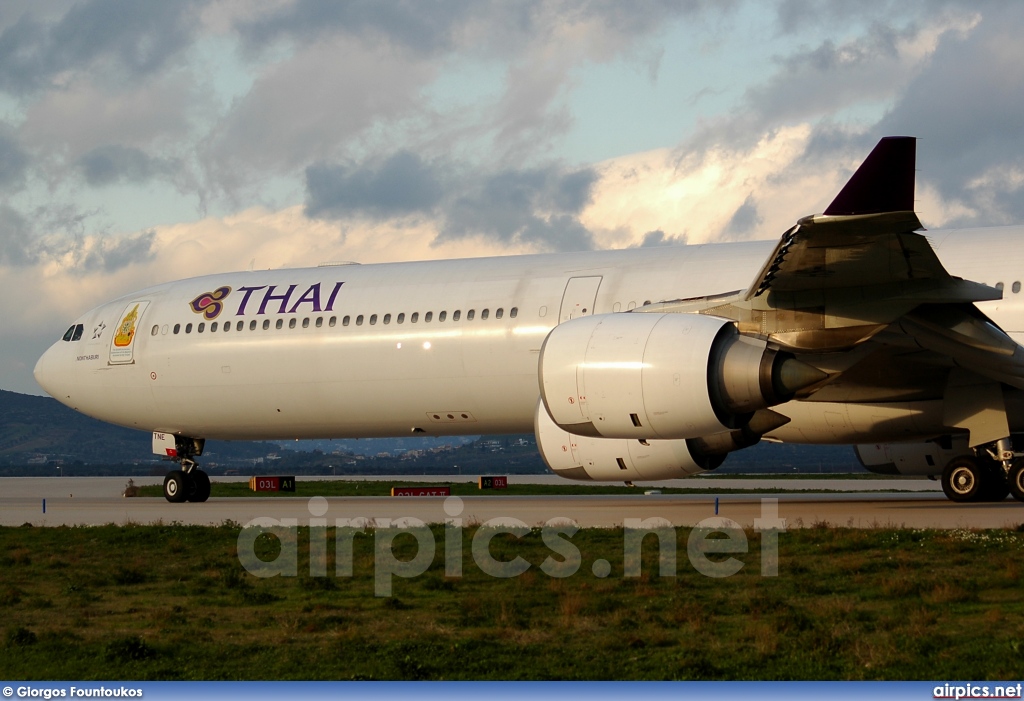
(201, 327)
(514, 312)
(484, 314)
(213, 327)
(344, 321)
(69, 333)
(333, 322)
(401, 318)
(470, 314)
(359, 320)
(442, 316)
(1016, 287)
(188, 328)
(77, 335)
(373, 319)
(266, 324)
(498, 313)
(415, 317)
(647, 301)
(428, 317)
(456, 314)
(291, 323)
(155, 331)
(387, 318)
(227, 325)
(177, 328)
(279, 324)
(305, 323)
(252, 325)
(319, 321)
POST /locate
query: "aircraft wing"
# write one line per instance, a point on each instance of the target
(837, 279)
(858, 292)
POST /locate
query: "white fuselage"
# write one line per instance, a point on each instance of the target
(348, 351)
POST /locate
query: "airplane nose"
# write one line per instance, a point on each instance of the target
(46, 374)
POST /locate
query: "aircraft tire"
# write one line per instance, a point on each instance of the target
(963, 479)
(996, 490)
(993, 482)
(200, 490)
(176, 487)
(1016, 479)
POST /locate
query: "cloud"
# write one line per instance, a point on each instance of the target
(707, 196)
(400, 184)
(745, 219)
(111, 255)
(425, 27)
(485, 27)
(540, 206)
(67, 124)
(15, 238)
(14, 162)
(353, 80)
(55, 236)
(965, 106)
(106, 165)
(658, 238)
(535, 206)
(308, 107)
(132, 38)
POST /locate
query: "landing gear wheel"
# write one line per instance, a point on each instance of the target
(200, 490)
(176, 486)
(962, 479)
(994, 486)
(1016, 479)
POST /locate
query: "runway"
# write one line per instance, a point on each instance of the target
(96, 501)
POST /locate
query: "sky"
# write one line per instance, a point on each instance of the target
(142, 142)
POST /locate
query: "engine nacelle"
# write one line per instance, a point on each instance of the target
(667, 376)
(615, 459)
(910, 458)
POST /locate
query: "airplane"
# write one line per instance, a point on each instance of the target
(857, 326)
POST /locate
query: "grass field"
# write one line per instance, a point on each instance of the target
(346, 488)
(173, 602)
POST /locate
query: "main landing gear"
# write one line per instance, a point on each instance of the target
(189, 483)
(990, 474)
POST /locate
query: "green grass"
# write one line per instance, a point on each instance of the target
(348, 488)
(173, 602)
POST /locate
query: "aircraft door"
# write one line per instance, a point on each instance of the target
(122, 343)
(579, 298)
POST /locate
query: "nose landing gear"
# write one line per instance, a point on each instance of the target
(189, 483)
(193, 485)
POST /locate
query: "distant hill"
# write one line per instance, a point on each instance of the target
(39, 433)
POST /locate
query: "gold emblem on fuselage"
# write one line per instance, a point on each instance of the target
(126, 330)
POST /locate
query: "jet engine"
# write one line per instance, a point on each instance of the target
(627, 460)
(668, 376)
(615, 460)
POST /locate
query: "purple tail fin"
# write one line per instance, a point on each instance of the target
(883, 183)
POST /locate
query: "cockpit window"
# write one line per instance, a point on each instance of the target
(70, 332)
(77, 335)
